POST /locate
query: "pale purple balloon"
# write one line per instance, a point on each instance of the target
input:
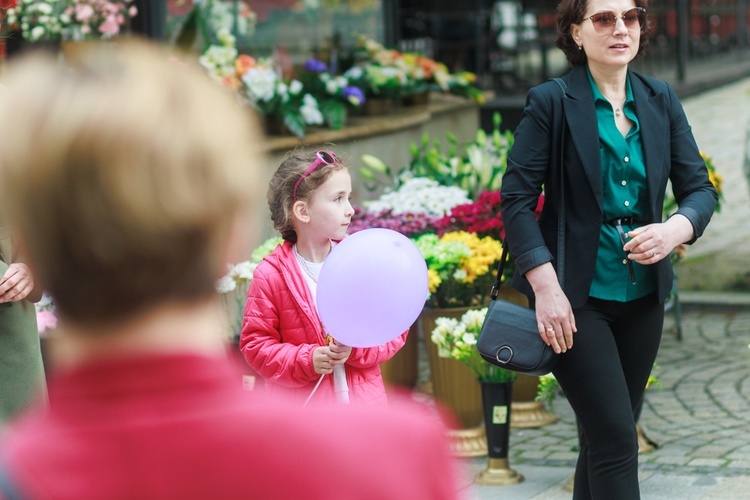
(372, 287)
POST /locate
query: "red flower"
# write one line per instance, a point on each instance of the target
(481, 217)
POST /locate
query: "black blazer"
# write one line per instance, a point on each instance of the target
(669, 151)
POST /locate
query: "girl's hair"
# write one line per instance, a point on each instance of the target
(571, 12)
(281, 188)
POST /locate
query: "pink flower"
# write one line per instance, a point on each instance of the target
(109, 26)
(46, 320)
(84, 13)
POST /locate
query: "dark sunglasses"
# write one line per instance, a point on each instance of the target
(606, 21)
(321, 158)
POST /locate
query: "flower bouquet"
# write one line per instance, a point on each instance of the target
(457, 339)
(460, 268)
(335, 94)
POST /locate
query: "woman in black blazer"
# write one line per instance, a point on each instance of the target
(618, 137)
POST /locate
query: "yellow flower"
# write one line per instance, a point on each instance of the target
(716, 179)
(433, 280)
(484, 253)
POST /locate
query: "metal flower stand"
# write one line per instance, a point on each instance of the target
(496, 399)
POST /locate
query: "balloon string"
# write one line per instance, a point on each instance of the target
(314, 389)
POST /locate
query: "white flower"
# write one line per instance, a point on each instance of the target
(37, 33)
(282, 89)
(260, 83)
(225, 37)
(244, 270)
(473, 319)
(332, 87)
(310, 112)
(420, 195)
(469, 339)
(44, 8)
(217, 57)
(460, 274)
(226, 284)
(354, 73)
(295, 87)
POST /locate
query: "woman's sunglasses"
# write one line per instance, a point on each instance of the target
(321, 158)
(606, 21)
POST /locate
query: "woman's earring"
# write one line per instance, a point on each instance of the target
(580, 47)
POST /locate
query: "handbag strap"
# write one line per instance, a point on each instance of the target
(560, 222)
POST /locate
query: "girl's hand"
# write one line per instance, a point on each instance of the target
(339, 353)
(322, 361)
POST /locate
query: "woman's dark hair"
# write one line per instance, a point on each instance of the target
(571, 12)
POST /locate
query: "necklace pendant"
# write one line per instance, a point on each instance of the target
(618, 112)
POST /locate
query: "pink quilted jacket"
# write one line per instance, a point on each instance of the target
(281, 329)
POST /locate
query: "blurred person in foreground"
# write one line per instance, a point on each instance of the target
(131, 182)
(606, 141)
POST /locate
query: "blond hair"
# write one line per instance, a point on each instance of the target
(123, 172)
(281, 188)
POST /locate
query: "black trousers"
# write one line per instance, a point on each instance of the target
(604, 376)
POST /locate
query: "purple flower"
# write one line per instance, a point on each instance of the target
(354, 94)
(408, 224)
(315, 65)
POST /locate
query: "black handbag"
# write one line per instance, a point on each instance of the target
(509, 337)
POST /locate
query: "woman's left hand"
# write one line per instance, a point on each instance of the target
(651, 243)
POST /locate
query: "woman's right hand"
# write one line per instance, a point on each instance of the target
(554, 315)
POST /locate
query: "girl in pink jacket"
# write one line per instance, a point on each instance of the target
(282, 336)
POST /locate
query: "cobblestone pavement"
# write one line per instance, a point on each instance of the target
(699, 419)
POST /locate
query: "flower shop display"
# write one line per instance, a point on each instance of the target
(69, 20)
(457, 339)
(384, 72)
(313, 98)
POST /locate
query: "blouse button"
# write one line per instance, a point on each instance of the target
(624, 261)
(626, 159)
(627, 203)
(624, 183)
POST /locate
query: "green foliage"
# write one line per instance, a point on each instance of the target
(475, 166)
